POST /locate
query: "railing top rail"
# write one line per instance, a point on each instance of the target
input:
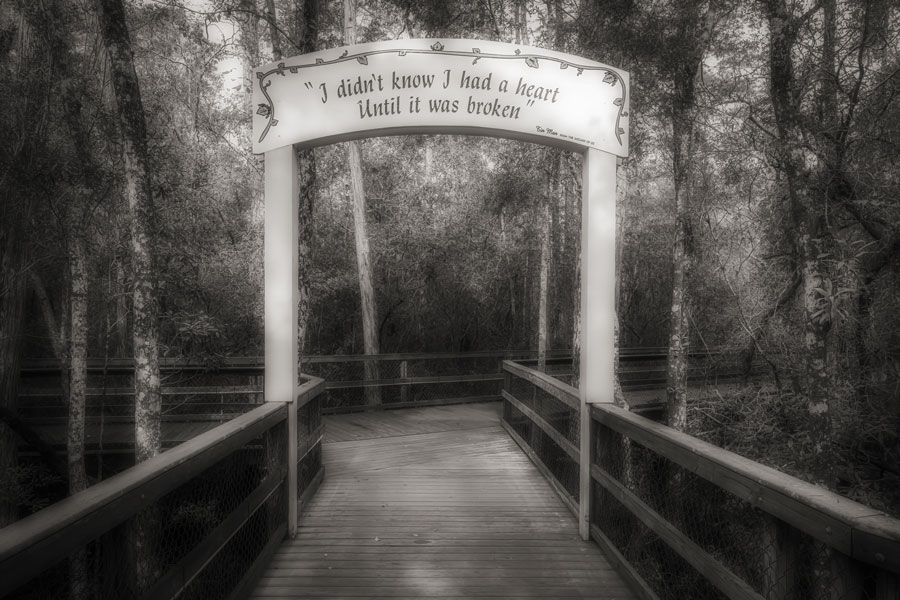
(864, 533)
(425, 355)
(256, 362)
(309, 389)
(42, 539)
(561, 391)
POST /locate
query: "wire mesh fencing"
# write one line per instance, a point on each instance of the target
(685, 519)
(215, 395)
(310, 430)
(221, 390)
(635, 486)
(194, 523)
(666, 510)
(544, 424)
(408, 380)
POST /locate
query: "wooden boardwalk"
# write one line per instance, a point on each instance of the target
(435, 503)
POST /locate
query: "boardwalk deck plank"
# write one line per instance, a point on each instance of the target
(435, 503)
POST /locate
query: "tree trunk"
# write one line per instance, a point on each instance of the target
(306, 174)
(621, 194)
(121, 300)
(79, 583)
(684, 116)
(576, 281)
(817, 286)
(576, 319)
(248, 17)
(520, 21)
(679, 330)
(272, 18)
(553, 198)
(561, 283)
(78, 294)
(77, 217)
(544, 270)
(307, 27)
(543, 327)
(147, 399)
(366, 290)
(428, 170)
(806, 177)
(140, 205)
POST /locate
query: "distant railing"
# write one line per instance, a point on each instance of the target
(412, 379)
(220, 390)
(685, 519)
(198, 521)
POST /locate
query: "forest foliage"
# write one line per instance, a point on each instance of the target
(763, 183)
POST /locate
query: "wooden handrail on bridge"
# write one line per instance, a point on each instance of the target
(414, 390)
(860, 534)
(256, 363)
(33, 545)
(408, 380)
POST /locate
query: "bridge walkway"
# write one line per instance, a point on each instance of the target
(435, 503)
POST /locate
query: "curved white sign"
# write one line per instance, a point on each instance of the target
(441, 86)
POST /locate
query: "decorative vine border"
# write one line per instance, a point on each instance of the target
(532, 60)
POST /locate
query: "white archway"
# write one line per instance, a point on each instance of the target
(471, 87)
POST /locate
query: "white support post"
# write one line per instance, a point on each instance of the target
(598, 283)
(280, 246)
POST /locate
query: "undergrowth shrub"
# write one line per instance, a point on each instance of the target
(771, 426)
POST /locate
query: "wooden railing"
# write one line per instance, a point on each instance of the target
(201, 519)
(232, 386)
(685, 519)
(219, 391)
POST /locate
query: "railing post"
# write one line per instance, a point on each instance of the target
(840, 578)
(887, 586)
(585, 459)
(404, 389)
(505, 411)
(292, 459)
(780, 555)
(258, 381)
